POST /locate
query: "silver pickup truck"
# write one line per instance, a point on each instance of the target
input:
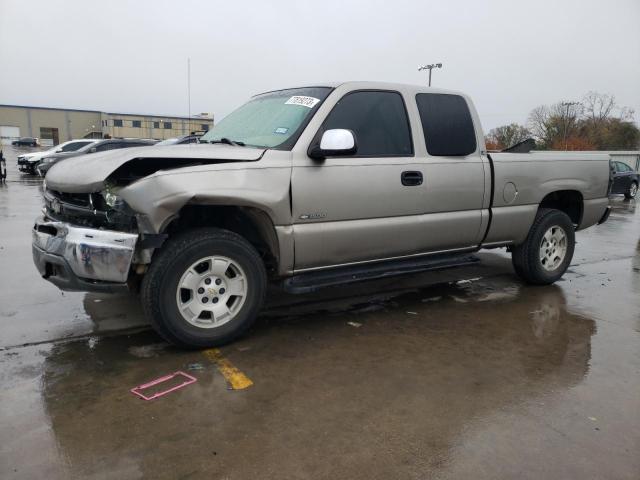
(308, 187)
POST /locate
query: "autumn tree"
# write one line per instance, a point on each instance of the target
(506, 136)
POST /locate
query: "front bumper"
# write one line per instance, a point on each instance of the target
(82, 259)
(27, 167)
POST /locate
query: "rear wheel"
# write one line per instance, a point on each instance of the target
(548, 249)
(204, 288)
(633, 190)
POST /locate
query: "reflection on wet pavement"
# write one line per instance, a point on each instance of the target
(460, 374)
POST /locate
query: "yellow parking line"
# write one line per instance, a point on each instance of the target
(235, 377)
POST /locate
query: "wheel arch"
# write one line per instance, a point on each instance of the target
(570, 202)
(253, 224)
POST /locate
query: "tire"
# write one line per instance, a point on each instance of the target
(188, 260)
(632, 192)
(559, 252)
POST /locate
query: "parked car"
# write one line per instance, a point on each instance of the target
(304, 188)
(625, 179)
(97, 146)
(180, 140)
(25, 142)
(27, 162)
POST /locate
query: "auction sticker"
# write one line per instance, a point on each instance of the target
(309, 102)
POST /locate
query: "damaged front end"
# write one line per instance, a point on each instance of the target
(91, 241)
(104, 212)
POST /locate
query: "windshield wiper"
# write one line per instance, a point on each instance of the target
(225, 141)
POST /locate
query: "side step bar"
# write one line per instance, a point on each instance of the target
(312, 281)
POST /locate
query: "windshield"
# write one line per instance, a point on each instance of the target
(271, 120)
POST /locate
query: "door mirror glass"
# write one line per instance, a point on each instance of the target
(335, 142)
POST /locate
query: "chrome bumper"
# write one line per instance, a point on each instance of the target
(82, 259)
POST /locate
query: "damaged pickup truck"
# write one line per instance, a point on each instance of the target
(308, 187)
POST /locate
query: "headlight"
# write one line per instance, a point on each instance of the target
(112, 200)
(47, 160)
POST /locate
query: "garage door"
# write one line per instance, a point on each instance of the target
(8, 134)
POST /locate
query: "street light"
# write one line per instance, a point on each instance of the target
(430, 67)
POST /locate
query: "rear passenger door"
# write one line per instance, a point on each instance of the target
(457, 176)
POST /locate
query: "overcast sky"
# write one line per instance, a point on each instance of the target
(131, 56)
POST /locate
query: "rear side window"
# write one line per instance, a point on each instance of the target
(107, 146)
(446, 123)
(378, 120)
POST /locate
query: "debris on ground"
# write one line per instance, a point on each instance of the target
(354, 324)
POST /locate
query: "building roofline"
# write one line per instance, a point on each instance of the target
(107, 113)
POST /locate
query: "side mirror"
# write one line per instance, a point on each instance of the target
(336, 142)
(93, 150)
(59, 150)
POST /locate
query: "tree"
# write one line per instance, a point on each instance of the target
(597, 122)
(506, 136)
(574, 142)
(556, 123)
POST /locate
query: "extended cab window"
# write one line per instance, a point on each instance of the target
(378, 120)
(446, 124)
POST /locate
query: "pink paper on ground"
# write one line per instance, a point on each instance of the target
(138, 390)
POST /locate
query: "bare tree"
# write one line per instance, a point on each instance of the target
(598, 107)
(557, 122)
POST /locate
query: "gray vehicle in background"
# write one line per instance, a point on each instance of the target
(28, 162)
(93, 146)
(308, 187)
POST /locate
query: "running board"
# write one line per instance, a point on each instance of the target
(312, 281)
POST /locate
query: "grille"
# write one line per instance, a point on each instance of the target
(82, 200)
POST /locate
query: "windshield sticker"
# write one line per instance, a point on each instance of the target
(281, 130)
(309, 102)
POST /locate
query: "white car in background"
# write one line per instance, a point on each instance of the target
(28, 162)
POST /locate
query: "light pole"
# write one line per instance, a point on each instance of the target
(430, 67)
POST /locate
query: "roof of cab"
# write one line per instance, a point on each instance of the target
(364, 85)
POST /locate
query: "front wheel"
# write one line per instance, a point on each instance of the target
(204, 288)
(632, 192)
(548, 249)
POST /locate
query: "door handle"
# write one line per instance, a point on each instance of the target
(411, 178)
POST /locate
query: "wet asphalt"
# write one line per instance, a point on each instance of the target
(466, 373)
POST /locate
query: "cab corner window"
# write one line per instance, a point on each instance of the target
(379, 121)
(446, 124)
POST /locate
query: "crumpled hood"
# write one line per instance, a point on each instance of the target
(87, 173)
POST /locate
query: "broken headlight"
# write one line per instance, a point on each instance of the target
(112, 200)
